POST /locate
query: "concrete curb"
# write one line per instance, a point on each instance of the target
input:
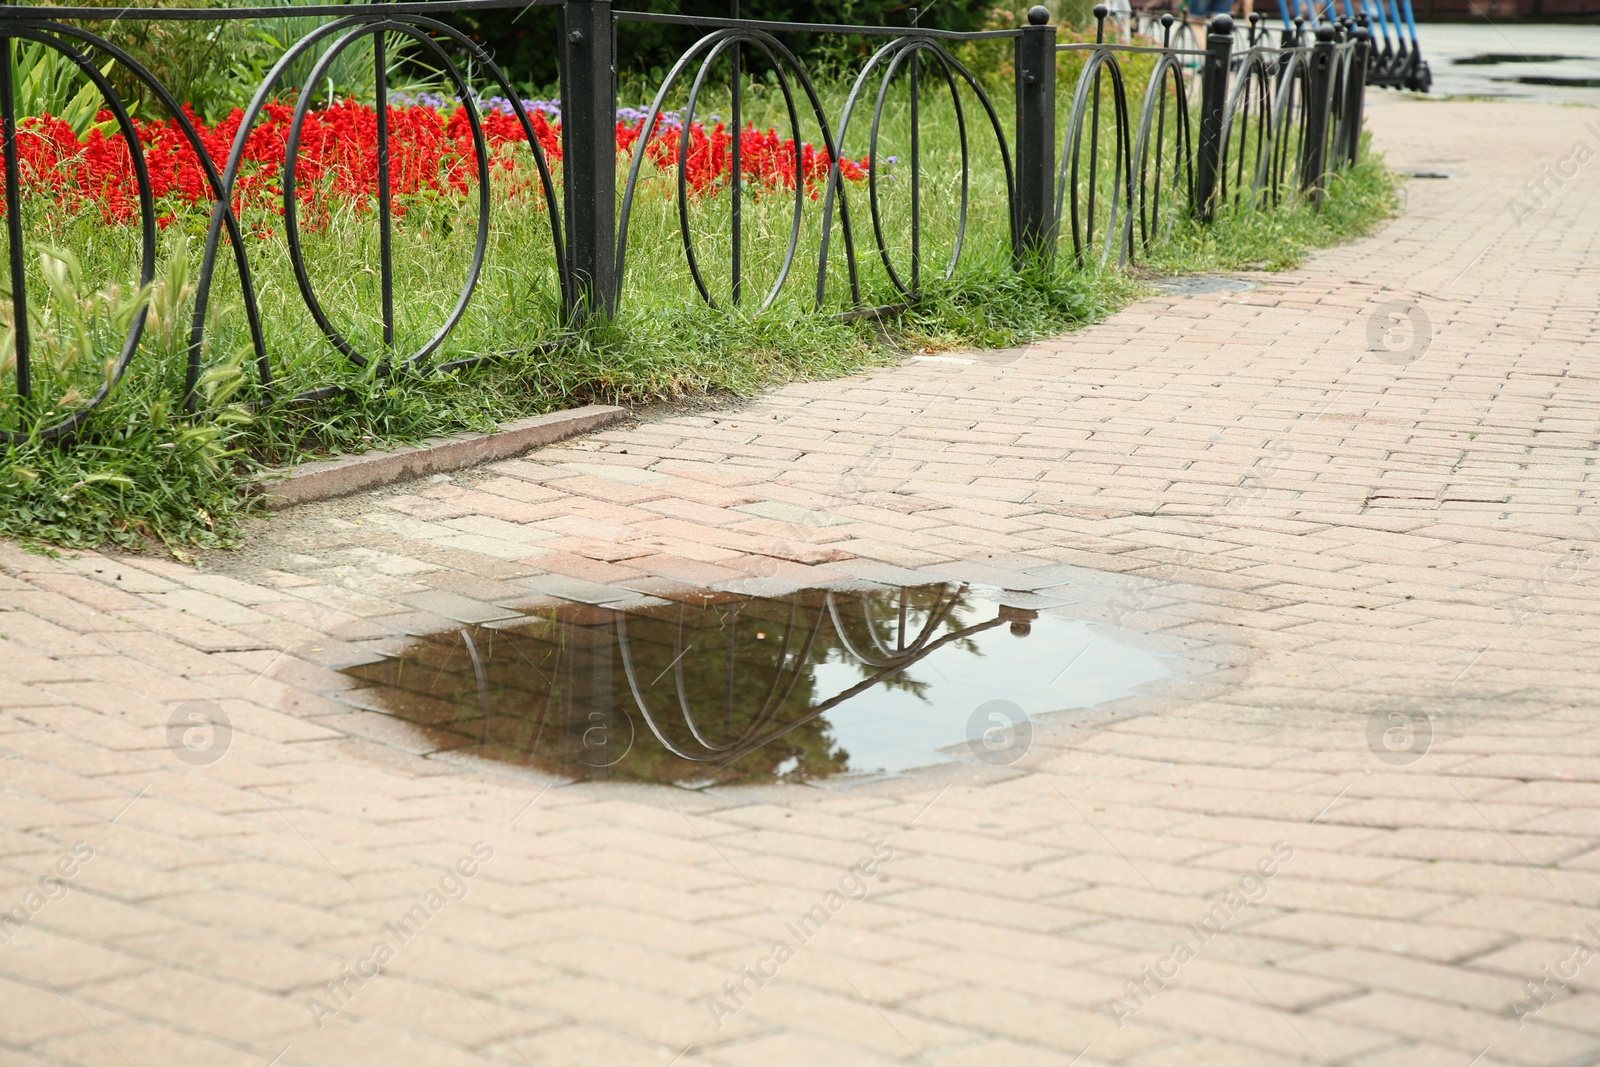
(329, 478)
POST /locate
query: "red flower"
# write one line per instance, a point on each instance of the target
(430, 155)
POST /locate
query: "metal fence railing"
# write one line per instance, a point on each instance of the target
(1217, 125)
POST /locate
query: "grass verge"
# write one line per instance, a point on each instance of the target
(141, 477)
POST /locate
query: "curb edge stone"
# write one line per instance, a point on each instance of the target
(330, 478)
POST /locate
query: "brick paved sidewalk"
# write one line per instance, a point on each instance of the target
(1329, 520)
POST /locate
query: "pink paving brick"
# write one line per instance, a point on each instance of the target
(1322, 538)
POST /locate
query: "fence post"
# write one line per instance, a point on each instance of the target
(1319, 114)
(589, 154)
(13, 204)
(1034, 236)
(1213, 101)
(1356, 93)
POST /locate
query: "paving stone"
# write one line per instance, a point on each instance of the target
(567, 588)
(1236, 483)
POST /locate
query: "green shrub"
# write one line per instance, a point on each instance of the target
(519, 40)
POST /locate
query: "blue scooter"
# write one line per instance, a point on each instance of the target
(1417, 76)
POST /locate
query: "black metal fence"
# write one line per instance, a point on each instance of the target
(1243, 119)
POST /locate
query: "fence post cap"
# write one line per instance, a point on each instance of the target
(1038, 15)
(1222, 24)
(1361, 33)
(1326, 34)
(1100, 12)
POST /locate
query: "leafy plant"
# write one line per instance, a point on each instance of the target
(193, 58)
(45, 82)
(67, 330)
(352, 72)
(139, 471)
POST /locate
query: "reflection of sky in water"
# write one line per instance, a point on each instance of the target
(894, 730)
(742, 688)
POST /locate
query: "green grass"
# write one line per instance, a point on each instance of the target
(1357, 200)
(139, 475)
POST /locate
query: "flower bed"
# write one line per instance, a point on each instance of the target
(431, 155)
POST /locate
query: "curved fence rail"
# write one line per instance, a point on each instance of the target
(1168, 127)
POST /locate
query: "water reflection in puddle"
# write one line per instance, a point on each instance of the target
(719, 687)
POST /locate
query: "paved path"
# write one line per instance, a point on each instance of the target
(1326, 532)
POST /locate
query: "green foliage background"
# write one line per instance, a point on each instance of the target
(522, 42)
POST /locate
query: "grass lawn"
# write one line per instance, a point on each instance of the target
(143, 475)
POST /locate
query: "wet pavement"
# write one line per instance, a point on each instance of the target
(1513, 61)
(1351, 512)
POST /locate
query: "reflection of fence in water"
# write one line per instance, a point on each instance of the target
(724, 687)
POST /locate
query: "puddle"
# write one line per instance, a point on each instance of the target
(1554, 80)
(1489, 59)
(1194, 285)
(721, 687)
